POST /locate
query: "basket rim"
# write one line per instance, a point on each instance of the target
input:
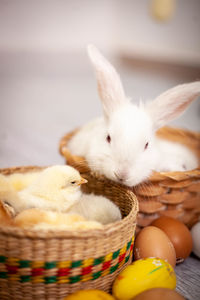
(80, 163)
(61, 233)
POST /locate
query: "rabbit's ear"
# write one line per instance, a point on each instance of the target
(110, 88)
(172, 103)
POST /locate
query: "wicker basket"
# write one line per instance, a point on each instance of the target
(51, 264)
(174, 194)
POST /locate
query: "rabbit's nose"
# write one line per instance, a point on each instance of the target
(121, 175)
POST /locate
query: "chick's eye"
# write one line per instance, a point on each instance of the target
(146, 146)
(108, 138)
(73, 182)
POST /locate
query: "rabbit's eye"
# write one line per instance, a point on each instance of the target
(146, 146)
(108, 138)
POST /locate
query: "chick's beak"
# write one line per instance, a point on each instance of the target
(82, 181)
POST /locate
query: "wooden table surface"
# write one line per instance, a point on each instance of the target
(188, 278)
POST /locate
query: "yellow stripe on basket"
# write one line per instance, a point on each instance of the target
(123, 250)
(38, 279)
(86, 277)
(64, 279)
(88, 262)
(64, 264)
(12, 261)
(108, 257)
(37, 264)
(14, 277)
(105, 272)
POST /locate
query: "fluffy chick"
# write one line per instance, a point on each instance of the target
(97, 208)
(56, 188)
(20, 181)
(42, 219)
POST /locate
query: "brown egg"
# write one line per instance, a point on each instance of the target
(178, 234)
(159, 293)
(153, 242)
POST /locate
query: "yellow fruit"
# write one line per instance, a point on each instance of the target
(143, 274)
(89, 295)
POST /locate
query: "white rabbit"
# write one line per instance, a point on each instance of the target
(122, 145)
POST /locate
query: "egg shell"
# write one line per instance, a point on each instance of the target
(153, 242)
(159, 293)
(142, 275)
(178, 233)
(195, 231)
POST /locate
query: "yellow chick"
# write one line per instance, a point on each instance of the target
(96, 208)
(55, 188)
(42, 219)
(20, 181)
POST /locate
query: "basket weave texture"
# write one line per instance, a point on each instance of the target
(52, 264)
(173, 194)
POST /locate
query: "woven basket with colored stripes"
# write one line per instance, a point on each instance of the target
(174, 194)
(51, 264)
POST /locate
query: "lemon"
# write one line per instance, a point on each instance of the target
(89, 295)
(143, 274)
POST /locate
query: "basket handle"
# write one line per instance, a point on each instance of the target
(75, 161)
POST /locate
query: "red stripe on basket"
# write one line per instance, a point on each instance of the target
(12, 269)
(106, 265)
(37, 271)
(122, 257)
(86, 270)
(63, 271)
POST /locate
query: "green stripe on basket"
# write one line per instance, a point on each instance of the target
(114, 268)
(127, 258)
(128, 245)
(96, 275)
(2, 259)
(24, 264)
(3, 275)
(25, 278)
(74, 279)
(98, 261)
(50, 265)
(116, 254)
(76, 264)
(50, 279)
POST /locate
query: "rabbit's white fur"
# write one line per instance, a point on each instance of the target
(130, 127)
